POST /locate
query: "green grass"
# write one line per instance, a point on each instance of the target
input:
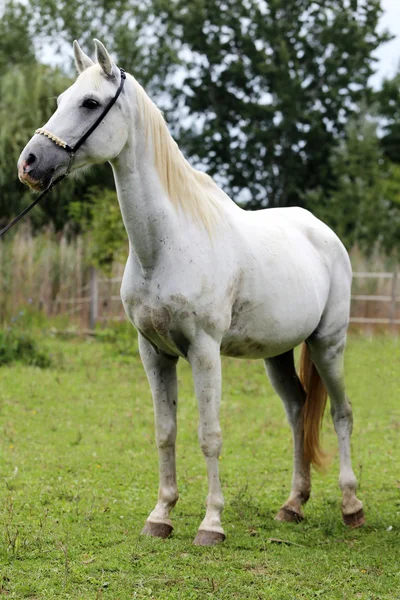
(79, 477)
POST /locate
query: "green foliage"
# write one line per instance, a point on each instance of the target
(100, 218)
(19, 346)
(16, 46)
(133, 30)
(122, 338)
(364, 207)
(387, 101)
(80, 476)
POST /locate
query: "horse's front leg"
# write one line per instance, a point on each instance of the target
(161, 373)
(204, 358)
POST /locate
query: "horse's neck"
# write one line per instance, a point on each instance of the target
(149, 217)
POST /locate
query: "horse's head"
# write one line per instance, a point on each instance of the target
(44, 158)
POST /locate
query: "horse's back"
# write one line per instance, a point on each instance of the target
(294, 233)
(291, 264)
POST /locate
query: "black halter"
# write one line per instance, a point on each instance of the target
(70, 149)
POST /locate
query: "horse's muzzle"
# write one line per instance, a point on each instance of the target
(39, 161)
(26, 179)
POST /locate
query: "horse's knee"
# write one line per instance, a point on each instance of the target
(210, 441)
(166, 435)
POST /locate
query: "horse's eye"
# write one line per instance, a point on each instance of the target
(90, 103)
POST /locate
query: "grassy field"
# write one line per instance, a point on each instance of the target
(79, 477)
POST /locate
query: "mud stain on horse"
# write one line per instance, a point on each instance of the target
(179, 299)
(161, 320)
(246, 347)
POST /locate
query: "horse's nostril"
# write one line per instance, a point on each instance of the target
(29, 163)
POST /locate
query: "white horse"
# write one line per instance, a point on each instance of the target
(205, 278)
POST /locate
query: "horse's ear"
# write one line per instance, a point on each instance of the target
(82, 61)
(103, 58)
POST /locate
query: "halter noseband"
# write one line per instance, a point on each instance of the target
(54, 139)
(70, 149)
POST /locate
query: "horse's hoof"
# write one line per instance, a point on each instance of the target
(355, 520)
(208, 538)
(288, 515)
(159, 530)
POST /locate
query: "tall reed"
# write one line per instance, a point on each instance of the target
(50, 272)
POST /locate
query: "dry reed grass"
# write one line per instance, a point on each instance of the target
(51, 273)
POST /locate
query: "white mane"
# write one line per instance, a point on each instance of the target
(187, 188)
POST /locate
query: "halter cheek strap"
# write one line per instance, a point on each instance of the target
(71, 150)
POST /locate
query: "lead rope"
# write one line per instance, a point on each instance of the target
(67, 148)
(33, 204)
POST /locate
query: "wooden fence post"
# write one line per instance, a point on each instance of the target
(94, 298)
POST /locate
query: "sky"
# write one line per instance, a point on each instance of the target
(388, 54)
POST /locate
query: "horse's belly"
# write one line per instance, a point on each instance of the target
(251, 347)
(259, 346)
(264, 333)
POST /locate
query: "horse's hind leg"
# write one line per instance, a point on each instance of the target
(327, 355)
(282, 374)
(161, 373)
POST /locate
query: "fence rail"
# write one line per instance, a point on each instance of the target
(99, 300)
(390, 298)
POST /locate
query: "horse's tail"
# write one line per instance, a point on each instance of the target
(313, 410)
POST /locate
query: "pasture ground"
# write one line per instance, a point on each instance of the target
(79, 476)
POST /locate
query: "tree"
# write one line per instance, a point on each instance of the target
(388, 105)
(132, 29)
(15, 39)
(364, 207)
(275, 83)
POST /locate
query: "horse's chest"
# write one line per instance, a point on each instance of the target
(170, 319)
(153, 320)
(162, 323)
